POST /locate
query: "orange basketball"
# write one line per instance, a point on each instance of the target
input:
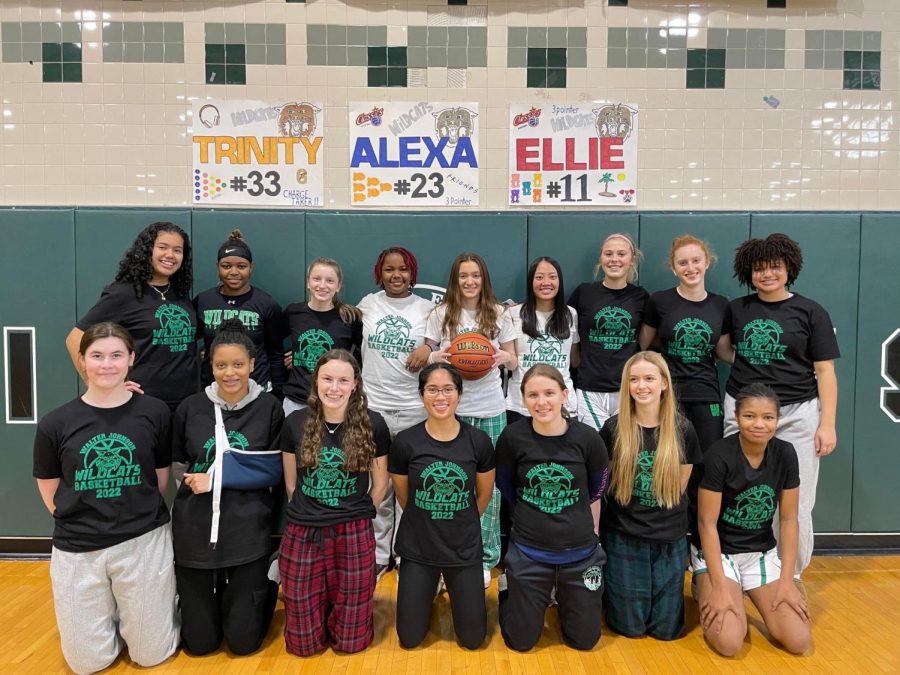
(472, 354)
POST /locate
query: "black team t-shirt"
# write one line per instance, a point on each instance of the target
(261, 316)
(777, 344)
(245, 516)
(688, 332)
(551, 482)
(440, 524)
(608, 325)
(643, 517)
(165, 338)
(106, 461)
(749, 496)
(312, 334)
(328, 494)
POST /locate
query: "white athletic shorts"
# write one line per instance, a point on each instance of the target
(747, 570)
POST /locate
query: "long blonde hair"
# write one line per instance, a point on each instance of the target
(629, 441)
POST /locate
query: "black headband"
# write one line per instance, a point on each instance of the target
(236, 247)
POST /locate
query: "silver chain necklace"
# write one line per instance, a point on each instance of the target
(329, 429)
(162, 294)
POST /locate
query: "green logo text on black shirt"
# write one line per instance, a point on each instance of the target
(753, 508)
(612, 328)
(643, 479)
(109, 465)
(236, 440)
(550, 487)
(444, 490)
(692, 342)
(310, 346)
(328, 483)
(175, 329)
(761, 343)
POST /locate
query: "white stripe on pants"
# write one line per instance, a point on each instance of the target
(122, 593)
(797, 424)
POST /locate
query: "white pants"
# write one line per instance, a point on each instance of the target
(595, 407)
(797, 424)
(122, 593)
(387, 515)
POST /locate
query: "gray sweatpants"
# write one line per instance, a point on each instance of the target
(797, 424)
(122, 593)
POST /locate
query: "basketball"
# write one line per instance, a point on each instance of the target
(472, 354)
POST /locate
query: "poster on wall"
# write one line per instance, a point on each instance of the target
(258, 153)
(581, 154)
(414, 154)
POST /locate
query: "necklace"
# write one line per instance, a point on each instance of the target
(162, 294)
(331, 430)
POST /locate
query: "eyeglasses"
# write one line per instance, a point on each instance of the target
(447, 391)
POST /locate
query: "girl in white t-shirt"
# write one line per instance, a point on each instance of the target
(546, 332)
(471, 306)
(394, 351)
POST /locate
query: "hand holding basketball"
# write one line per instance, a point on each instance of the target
(472, 354)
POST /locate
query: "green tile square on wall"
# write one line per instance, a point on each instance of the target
(556, 78)
(696, 78)
(871, 79)
(215, 73)
(235, 53)
(396, 56)
(71, 72)
(715, 78)
(377, 57)
(235, 74)
(51, 51)
(852, 79)
(52, 72)
(537, 77)
(556, 57)
(377, 77)
(396, 77)
(215, 53)
(537, 57)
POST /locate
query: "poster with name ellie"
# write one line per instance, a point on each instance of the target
(414, 154)
(581, 154)
(258, 153)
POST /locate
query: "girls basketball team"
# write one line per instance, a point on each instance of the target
(615, 478)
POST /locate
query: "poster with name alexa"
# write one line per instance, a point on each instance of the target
(579, 154)
(414, 154)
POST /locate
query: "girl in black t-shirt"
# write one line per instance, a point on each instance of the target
(652, 450)
(747, 475)
(687, 323)
(222, 516)
(610, 314)
(150, 298)
(102, 468)
(553, 472)
(316, 326)
(335, 471)
(443, 475)
(258, 311)
(786, 341)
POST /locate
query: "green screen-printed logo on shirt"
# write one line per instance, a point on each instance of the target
(643, 480)
(310, 346)
(612, 328)
(236, 440)
(544, 349)
(175, 328)
(443, 490)
(592, 578)
(108, 465)
(692, 342)
(761, 343)
(391, 337)
(213, 318)
(550, 487)
(329, 483)
(753, 508)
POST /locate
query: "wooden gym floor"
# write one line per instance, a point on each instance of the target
(855, 602)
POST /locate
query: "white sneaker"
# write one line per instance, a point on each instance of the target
(487, 579)
(440, 586)
(502, 584)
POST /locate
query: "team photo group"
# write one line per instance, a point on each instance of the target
(574, 448)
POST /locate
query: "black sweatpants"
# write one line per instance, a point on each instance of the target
(415, 599)
(708, 422)
(579, 593)
(234, 603)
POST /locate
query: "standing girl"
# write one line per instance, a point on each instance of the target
(747, 475)
(471, 306)
(102, 467)
(316, 326)
(546, 332)
(393, 350)
(688, 321)
(335, 471)
(150, 298)
(786, 341)
(258, 311)
(610, 313)
(553, 471)
(443, 475)
(652, 451)
(223, 533)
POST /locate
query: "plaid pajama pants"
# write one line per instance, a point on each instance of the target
(490, 519)
(328, 585)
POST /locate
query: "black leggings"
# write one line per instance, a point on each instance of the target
(234, 603)
(708, 423)
(415, 599)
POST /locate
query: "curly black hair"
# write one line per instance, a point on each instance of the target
(136, 267)
(756, 253)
